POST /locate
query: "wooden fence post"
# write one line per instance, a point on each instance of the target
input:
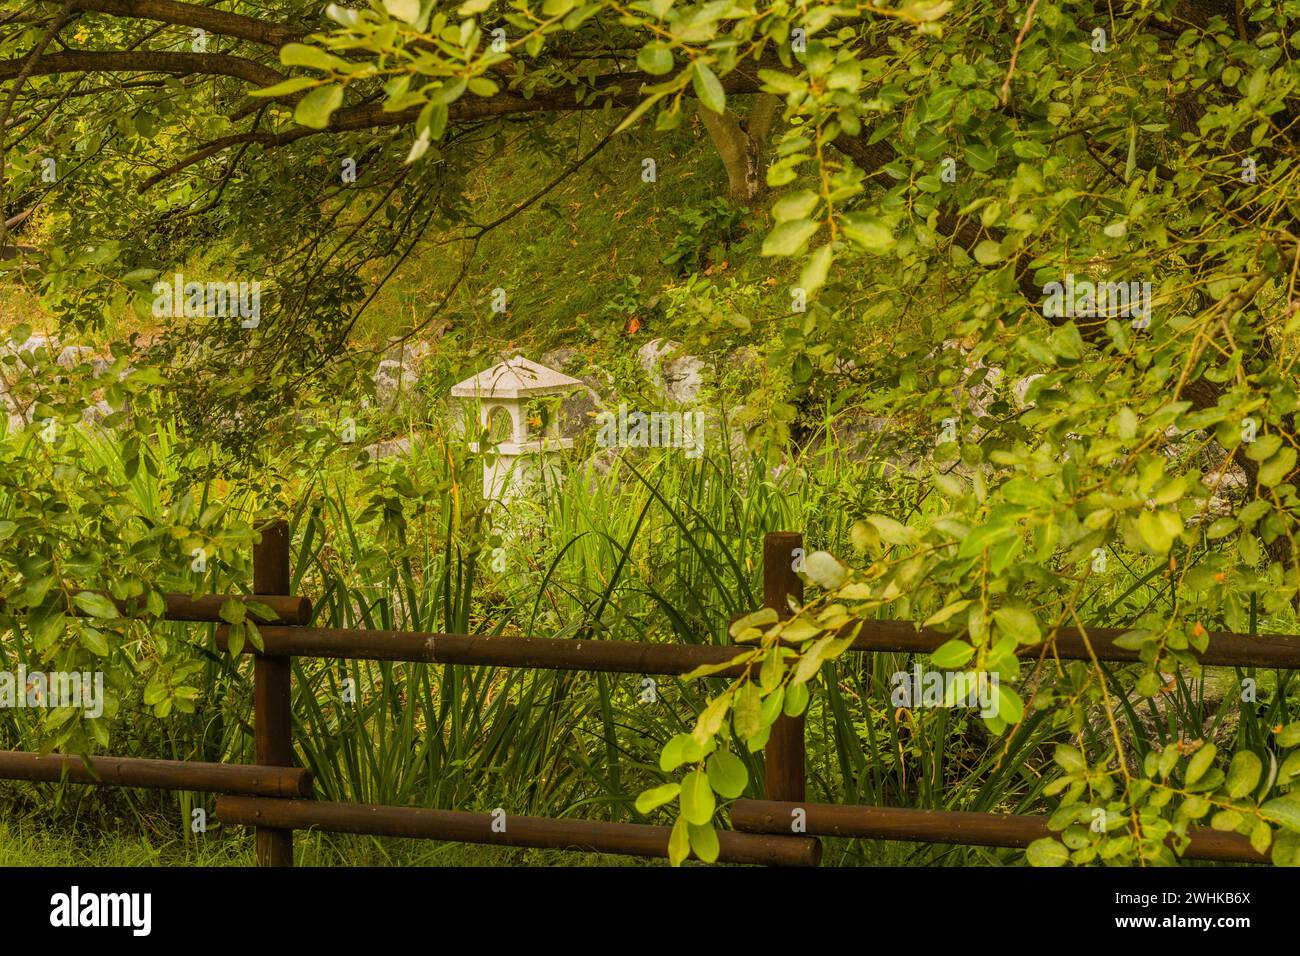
(784, 753)
(272, 718)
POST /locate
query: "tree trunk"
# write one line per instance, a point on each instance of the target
(742, 144)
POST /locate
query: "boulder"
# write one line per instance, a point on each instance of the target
(392, 379)
(71, 355)
(578, 411)
(564, 360)
(677, 376)
(390, 448)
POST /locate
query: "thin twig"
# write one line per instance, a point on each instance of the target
(1015, 53)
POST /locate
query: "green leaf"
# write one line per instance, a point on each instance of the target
(94, 641)
(891, 531)
(1278, 467)
(286, 87)
(657, 797)
(259, 611)
(747, 711)
(988, 252)
(1018, 623)
(1200, 762)
(781, 83)
(407, 11)
(818, 266)
(712, 717)
(796, 205)
(655, 58)
(789, 237)
(708, 88)
(796, 699)
(679, 843)
(1010, 707)
(1157, 531)
(1261, 836)
(697, 798)
(824, 571)
(680, 749)
(868, 232)
(301, 54)
(1047, 852)
(1069, 758)
(233, 611)
(981, 158)
(419, 146)
(952, 655)
(1243, 773)
(1284, 811)
(811, 661)
(640, 110)
(727, 774)
(96, 605)
(755, 619)
(704, 841)
(956, 607)
(315, 109)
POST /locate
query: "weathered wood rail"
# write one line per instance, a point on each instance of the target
(275, 797)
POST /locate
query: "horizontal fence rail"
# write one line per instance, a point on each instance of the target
(1241, 650)
(540, 653)
(628, 839)
(632, 657)
(947, 826)
(206, 608)
(244, 779)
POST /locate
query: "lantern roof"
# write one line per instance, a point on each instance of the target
(517, 377)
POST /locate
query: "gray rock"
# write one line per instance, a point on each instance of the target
(745, 360)
(96, 413)
(1021, 388)
(74, 355)
(392, 379)
(578, 411)
(677, 376)
(390, 448)
(562, 360)
(409, 354)
(33, 343)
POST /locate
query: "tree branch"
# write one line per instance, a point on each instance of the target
(146, 61)
(205, 18)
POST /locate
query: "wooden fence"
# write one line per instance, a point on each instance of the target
(275, 797)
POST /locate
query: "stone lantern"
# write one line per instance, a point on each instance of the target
(517, 409)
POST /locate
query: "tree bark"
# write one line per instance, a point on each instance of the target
(742, 144)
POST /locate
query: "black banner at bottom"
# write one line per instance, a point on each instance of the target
(208, 907)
